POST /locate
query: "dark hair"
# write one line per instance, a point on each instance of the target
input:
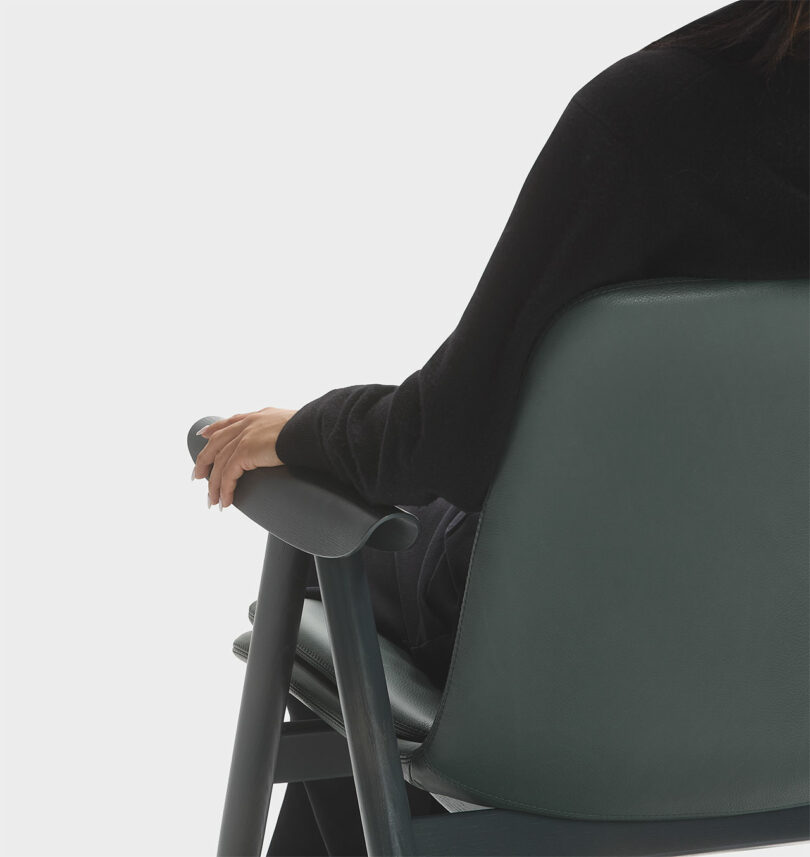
(761, 34)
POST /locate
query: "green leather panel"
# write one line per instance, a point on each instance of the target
(414, 698)
(634, 634)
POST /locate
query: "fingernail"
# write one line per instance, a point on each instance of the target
(202, 430)
(209, 500)
(220, 505)
(193, 471)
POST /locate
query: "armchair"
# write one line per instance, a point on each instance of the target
(638, 593)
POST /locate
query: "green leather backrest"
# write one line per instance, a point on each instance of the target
(634, 634)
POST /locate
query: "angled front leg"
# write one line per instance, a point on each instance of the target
(264, 696)
(366, 707)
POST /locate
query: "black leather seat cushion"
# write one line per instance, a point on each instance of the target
(414, 698)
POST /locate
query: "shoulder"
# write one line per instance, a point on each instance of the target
(637, 92)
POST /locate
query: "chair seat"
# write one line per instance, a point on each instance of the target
(414, 698)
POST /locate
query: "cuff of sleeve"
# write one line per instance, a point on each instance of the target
(299, 441)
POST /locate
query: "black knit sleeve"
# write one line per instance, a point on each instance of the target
(581, 220)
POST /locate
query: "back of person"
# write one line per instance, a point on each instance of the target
(683, 159)
(717, 153)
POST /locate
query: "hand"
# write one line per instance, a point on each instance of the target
(242, 442)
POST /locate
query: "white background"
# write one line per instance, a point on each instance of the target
(209, 209)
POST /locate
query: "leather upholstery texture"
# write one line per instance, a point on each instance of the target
(633, 641)
(414, 698)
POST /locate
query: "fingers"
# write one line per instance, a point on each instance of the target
(207, 431)
(234, 467)
(227, 454)
(229, 465)
(220, 465)
(217, 438)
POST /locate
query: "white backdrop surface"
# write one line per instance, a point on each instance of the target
(210, 208)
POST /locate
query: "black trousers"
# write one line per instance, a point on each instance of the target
(416, 597)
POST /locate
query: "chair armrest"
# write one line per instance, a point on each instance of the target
(312, 511)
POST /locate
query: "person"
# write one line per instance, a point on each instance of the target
(687, 158)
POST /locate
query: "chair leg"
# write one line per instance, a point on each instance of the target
(366, 707)
(264, 695)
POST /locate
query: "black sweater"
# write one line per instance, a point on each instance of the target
(671, 162)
